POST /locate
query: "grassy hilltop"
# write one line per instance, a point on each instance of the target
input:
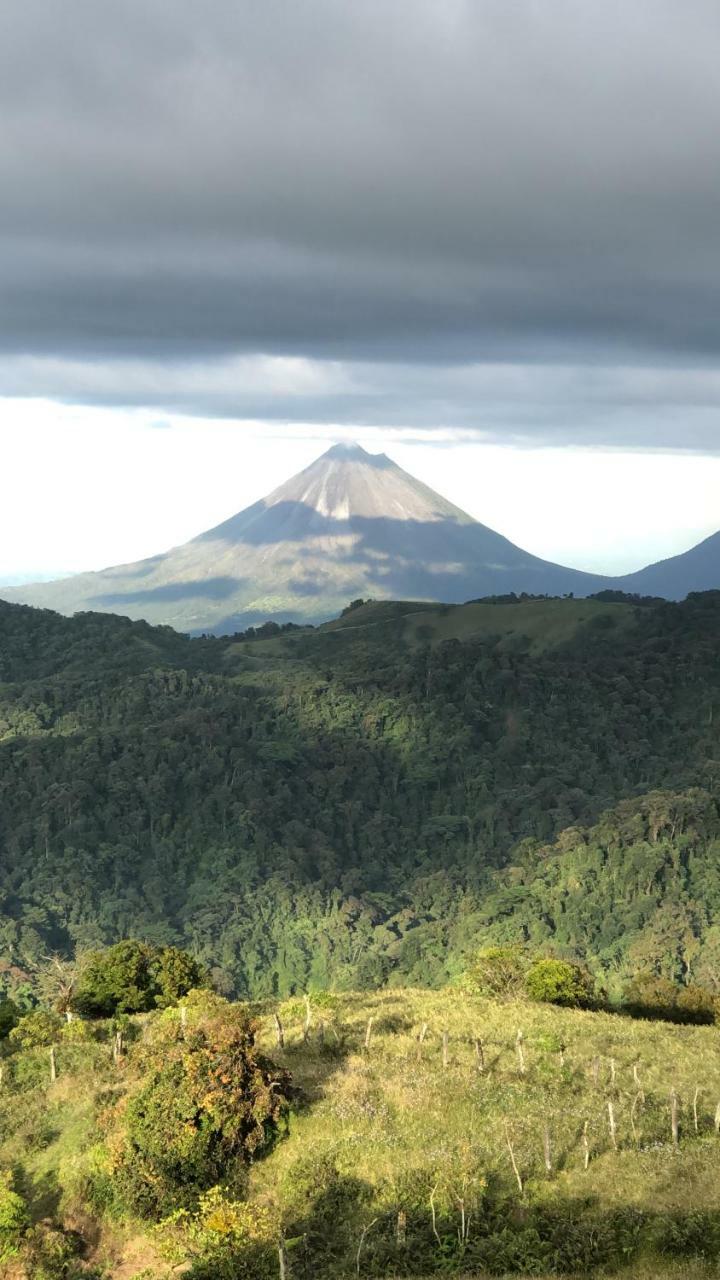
(380, 1137)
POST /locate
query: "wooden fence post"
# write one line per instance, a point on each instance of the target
(637, 1100)
(401, 1229)
(696, 1095)
(585, 1146)
(611, 1124)
(308, 1019)
(479, 1055)
(674, 1126)
(445, 1050)
(519, 1052)
(546, 1150)
(53, 1065)
(279, 1032)
(368, 1034)
(513, 1161)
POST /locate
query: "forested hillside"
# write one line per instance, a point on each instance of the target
(368, 801)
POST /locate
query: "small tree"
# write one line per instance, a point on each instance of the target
(560, 982)
(119, 979)
(649, 996)
(134, 977)
(497, 972)
(177, 972)
(224, 1238)
(56, 983)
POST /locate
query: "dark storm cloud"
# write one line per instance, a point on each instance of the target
(410, 189)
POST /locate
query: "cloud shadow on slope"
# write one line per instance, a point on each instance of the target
(172, 592)
(404, 556)
(444, 560)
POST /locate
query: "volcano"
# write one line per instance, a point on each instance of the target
(353, 524)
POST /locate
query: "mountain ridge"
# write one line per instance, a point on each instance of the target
(697, 569)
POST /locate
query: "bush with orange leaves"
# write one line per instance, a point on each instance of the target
(206, 1105)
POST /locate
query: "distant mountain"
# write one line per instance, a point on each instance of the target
(695, 570)
(352, 524)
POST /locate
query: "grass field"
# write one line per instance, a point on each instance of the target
(429, 1106)
(536, 625)
(401, 1119)
(395, 1105)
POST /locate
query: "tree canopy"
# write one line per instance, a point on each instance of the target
(373, 801)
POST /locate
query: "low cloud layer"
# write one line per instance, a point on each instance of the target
(496, 217)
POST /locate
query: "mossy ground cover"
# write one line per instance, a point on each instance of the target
(419, 1153)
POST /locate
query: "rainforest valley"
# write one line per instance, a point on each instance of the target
(369, 802)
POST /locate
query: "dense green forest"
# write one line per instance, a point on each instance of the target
(370, 801)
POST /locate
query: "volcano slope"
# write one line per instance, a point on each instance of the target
(353, 524)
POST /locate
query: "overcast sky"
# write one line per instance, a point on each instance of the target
(486, 232)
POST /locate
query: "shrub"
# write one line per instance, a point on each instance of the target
(649, 996)
(13, 1216)
(695, 1004)
(52, 1254)
(497, 972)
(78, 1032)
(322, 1205)
(223, 1237)
(207, 1105)
(560, 982)
(36, 1030)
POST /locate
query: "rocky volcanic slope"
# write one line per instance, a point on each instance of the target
(351, 524)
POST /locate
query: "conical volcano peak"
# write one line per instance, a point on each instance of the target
(347, 483)
(350, 524)
(346, 449)
(351, 451)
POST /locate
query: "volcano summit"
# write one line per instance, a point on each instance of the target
(351, 524)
